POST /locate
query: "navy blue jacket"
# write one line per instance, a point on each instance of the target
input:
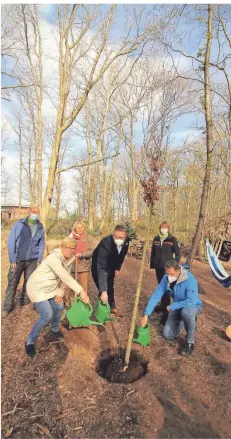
(21, 245)
(162, 252)
(106, 260)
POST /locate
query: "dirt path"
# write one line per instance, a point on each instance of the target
(60, 394)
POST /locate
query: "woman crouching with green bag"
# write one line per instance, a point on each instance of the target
(46, 287)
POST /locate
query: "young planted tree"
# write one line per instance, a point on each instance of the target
(150, 195)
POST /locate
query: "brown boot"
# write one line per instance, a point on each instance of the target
(116, 313)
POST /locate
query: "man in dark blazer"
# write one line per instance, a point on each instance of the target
(107, 260)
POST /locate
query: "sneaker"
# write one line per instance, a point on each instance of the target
(187, 349)
(5, 314)
(58, 336)
(30, 350)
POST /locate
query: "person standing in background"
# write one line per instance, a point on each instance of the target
(84, 251)
(25, 248)
(165, 248)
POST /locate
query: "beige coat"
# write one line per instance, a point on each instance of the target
(50, 278)
(84, 264)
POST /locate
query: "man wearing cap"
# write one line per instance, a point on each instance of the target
(25, 248)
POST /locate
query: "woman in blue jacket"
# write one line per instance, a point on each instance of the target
(183, 288)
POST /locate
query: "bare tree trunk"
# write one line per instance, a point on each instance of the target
(108, 188)
(209, 140)
(96, 169)
(38, 88)
(89, 172)
(20, 166)
(58, 190)
(51, 178)
(133, 180)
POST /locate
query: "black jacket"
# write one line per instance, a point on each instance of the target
(106, 259)
(163, 253)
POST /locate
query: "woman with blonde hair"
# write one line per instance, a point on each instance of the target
(84, 251)
(46, 288)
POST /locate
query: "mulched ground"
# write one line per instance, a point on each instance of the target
(60, 394)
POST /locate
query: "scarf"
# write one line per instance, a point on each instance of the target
(32, 222)
(162, 237)
(81, 244)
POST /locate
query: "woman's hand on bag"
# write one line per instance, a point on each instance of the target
(84, 297)
(78, 255)
(104, 297)
(58, 300)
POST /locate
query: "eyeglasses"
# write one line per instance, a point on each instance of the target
(71, 248)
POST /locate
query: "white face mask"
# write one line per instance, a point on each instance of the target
(34, 216)
(164, 231)
(118, 241)
(171, 278)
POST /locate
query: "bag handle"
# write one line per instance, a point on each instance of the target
(88, 305)
(105, 304)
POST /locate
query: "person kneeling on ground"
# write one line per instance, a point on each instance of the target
(45, 289)
(183, 288)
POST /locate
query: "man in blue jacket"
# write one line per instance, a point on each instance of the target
(183, 288)
(25, 248)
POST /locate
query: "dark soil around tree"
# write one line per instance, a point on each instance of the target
(111, 366)
(63, 392)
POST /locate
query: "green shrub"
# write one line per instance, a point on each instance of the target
(60, 229)
(131, 231)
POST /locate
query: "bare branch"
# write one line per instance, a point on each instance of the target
(85, 164)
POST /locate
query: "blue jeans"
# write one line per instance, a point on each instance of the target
(183, 318)
(49, 312)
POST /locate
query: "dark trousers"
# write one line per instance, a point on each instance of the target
(165, 299)
(14, 276)
(110, 288)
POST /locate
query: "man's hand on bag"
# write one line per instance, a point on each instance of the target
(58, 300)
(152, 270)
(144, 321)
(168, 308)
(13, 266)
(104, 297)
(84, 297)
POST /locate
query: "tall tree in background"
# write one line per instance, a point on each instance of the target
(31, 17)
(73, 47)
(209, 137)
